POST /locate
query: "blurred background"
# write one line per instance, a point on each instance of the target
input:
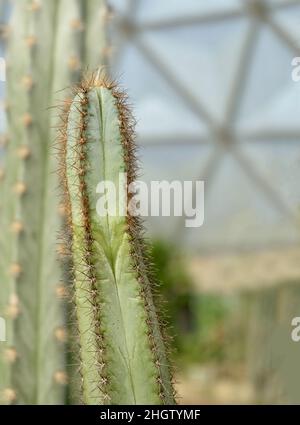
(214, 99)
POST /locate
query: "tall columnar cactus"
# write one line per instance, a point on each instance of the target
(123, 356)
(48, 44)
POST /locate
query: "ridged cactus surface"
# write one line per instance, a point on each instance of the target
(48, 44)
(123, 355)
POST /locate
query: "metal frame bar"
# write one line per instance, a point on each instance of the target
(271, 193)
(270, 135)
(285, 3)
(190, 100)
(173, 140)
(213, 17)
(240, 80)
(284, 36)
(207, 175)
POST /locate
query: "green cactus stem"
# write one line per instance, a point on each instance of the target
(122, 350)
(47, 47)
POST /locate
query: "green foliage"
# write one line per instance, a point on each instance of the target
(212, 313)
(197, 320)
(176, 289)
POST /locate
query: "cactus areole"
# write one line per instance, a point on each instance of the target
(122, 350)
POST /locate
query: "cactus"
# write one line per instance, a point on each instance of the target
(48, 43)
(122, 350)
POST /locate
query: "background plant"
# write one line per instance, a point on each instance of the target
(49, 42)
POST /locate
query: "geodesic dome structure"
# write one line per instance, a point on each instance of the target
(214, 99)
